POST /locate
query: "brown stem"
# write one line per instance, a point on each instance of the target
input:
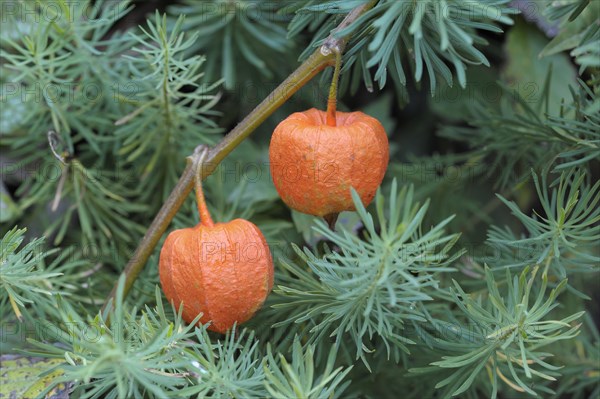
(320, 59)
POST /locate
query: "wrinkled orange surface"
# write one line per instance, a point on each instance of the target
(224, 271)
(313, 165)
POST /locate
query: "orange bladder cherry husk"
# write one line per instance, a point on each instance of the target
(314, 164)
(222, 270)
(316, 157)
